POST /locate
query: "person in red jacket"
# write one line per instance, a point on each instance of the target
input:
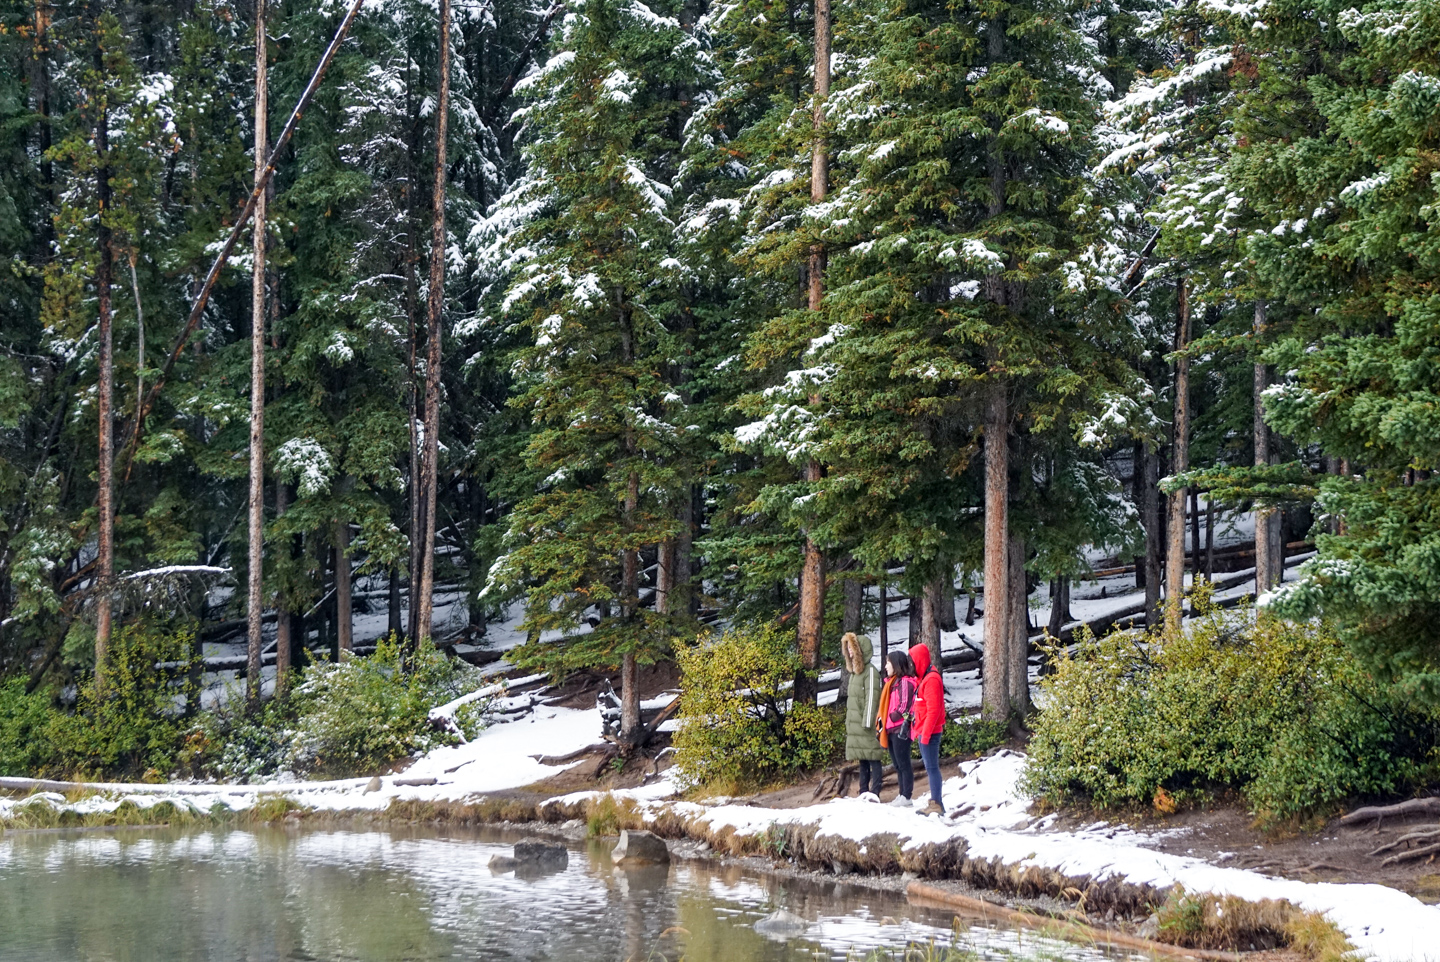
(929, 720)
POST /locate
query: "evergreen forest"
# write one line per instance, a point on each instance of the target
(613, 321)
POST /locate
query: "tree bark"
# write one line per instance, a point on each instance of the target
(1138, 493)
(105, 497)
(946, 616)
(853, 618)
(884, 623)
(282, 612)
(426, 600)
(394, 624)
(812, 572)
(1265, 560)
(995, 689)
(255, 599)
(1057, 608)
(1017, 668)
(1196, 533)
(344, 620)
(1175, 557)
(930, 621)
(664, 576)
(1150, 506)
(629, 604)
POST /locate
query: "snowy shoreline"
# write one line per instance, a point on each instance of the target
(1385, 924)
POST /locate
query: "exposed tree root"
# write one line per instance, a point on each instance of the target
(1415, 806)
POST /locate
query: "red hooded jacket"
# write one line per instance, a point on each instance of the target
(929, 698)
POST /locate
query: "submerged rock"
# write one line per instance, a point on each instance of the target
(502, 863)
(782, 925)
(640, 848)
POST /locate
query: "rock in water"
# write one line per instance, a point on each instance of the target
(502, 863)
(541, 854)
(782, 925)
(640, 848)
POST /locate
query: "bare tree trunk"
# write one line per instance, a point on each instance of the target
(664, 575)
(282, 612)
(915, 619)
(629, 599)
(1017, 668)
(946, 617)
(394, 625)
(853, 618)
(995, 689)
(1150, 506)
(884, 623)
(1209, 539)
(930, 621)
(1265, 560)
(1138, 493)
(105, 498)
(344, 620)
(1198, 564)
(255, 601)
(426, 600)
(812, 571)
(1057, 607)
(1175, 557)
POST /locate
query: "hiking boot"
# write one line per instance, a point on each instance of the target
(934, 808)
(900, 801)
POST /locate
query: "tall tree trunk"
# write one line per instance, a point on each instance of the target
(664, 576)
(1138, 496)
(282, 612)
(1057, 607)
(854, 615)
(1209, 539)
(946, 617)
(426, 600)
(394, 624)
(812, 571)
(629, 604)
(255, 602)
(1266, 564)
(915, 620)
(105, 498)
(1196, 533)
(884, 621)
(1150, 508)
(930, 621)
(995, 688)
(1017, 668)
(1175, 556)
(344, 619)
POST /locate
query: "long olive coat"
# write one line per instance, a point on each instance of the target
(863, 702)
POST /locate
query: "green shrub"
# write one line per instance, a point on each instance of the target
(970, 736)
(136, 727)
(360, 714)
(737, 728)
(27, 744)
(1277, 710)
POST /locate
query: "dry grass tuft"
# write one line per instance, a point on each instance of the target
(1208, 921)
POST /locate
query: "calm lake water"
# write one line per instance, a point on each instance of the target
(273, 894)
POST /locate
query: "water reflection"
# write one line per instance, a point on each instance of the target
(420, 896)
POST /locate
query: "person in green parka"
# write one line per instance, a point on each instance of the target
(862, 703)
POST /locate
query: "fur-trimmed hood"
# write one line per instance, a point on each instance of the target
(857, 651)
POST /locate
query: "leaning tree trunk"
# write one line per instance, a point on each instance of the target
(105, 498)
(995, 688)
(426, 598)
(812, 571)
(255, 599)
(1266, 564)
(1175, 556)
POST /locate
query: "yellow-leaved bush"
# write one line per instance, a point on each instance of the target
(1279, 710)
(737, 726)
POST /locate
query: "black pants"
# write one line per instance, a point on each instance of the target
(871, 774)
(904, 765)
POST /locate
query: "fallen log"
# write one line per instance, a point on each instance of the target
(569, 757)
(1373, 813)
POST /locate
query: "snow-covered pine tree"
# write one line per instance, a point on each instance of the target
(585, 237)
(1337, 157)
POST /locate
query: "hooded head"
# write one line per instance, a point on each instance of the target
(857, 651)
(920, 655)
